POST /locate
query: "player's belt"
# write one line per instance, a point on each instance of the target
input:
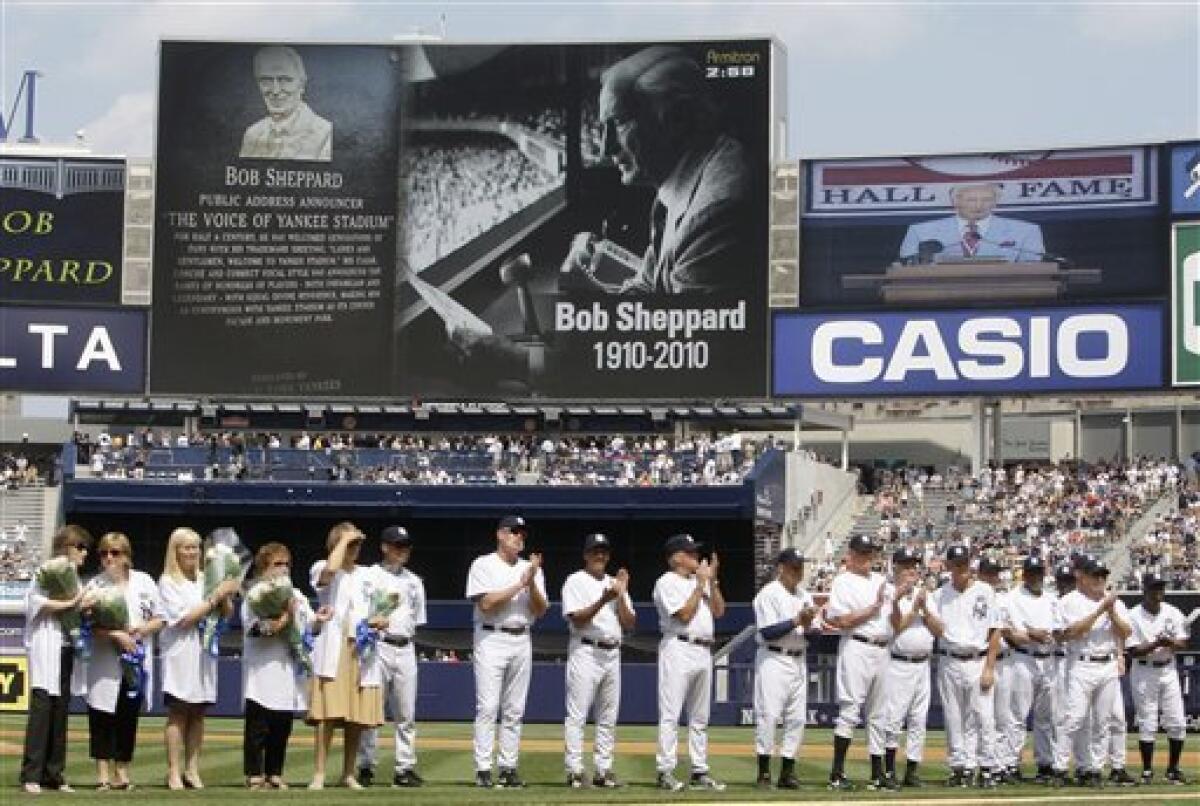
(1157, 664)
(1004, 656)
(505, 630)
(687, 639)
(601, 644)
(965, 655)
(910, 658)
(875, 642)
(397, 640)
(1097, 658)
(791, 653)
(1038, 655)
(1059, 653)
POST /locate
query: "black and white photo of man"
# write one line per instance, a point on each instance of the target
(291, 130)
(660, 129)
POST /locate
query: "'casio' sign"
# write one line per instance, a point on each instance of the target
(988, 348)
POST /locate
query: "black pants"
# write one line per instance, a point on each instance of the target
(114, 735)
(46, 731)
(265, 740)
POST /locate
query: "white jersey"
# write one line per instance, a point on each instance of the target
(671, 592)
(490, 573)
(405, 619)
(581, 591)
(44, 641)
(915, 639)
(1149, 627)
(773, 604)
(968, 616)
(1025, 612)
(853, 592)
(349, 595)
(1102, 638)
(189, 672)
(104, 671)
(270, 675)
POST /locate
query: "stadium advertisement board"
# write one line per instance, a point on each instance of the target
(443, 220)
(1045, 227)
(1185, 322)
(62, 222)
(1010, 351)
(72, 349)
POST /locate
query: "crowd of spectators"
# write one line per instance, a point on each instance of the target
(1170, 547)
(613, 460)
(17, 469)
(458, 189)
(18, 553)
(1055, 510)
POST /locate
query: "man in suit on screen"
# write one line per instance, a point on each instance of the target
(973, 232)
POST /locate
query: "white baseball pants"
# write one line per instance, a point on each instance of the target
(503, 664)
(684, 681)
(780, 694)
(593, 679)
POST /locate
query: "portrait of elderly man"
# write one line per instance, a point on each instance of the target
(661, 130)
(973, 232)
(291, 130)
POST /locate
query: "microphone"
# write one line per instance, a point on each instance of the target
(1050, 257)
(927, 250)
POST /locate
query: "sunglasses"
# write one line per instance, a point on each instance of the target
(281, 564)
(78, 546)
(111, 553)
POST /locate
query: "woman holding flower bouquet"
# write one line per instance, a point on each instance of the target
(126, 614)
(51, 634)
(275, 664)
(347, 686)
(189, 672)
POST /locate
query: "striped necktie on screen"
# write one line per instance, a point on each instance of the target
(970, 240)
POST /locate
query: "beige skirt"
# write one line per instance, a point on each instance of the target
(342, 699)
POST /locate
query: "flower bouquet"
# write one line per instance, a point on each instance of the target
(60, 580)
(380, 603)
(268, 599)
(111, 612)
(225, 558)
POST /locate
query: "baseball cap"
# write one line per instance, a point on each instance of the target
(1080, 561)
(1153, 579)
(596, 540)
(397, 535)
(989, 565)
(957, 554)
(1033, 565)
(863, 543)
(790, 556)
(1096, 568)
(681, 542)
(513, 522)
(906, 554)
(1064, 571)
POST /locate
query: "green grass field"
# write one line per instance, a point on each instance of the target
(445, 761)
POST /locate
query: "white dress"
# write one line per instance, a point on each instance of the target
(188, 672)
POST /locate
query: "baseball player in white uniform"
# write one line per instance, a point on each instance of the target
(906, 681)
(782, 612)
(1159, 631)
(398, 660)
(688, 599)
(1029, 628)
(598, 610)
(1093, 624)
(509, 594)
(1006, 756)
(964, 618)
(858, 605)
(1064, 584)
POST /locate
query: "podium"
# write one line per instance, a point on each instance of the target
(971, 280)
